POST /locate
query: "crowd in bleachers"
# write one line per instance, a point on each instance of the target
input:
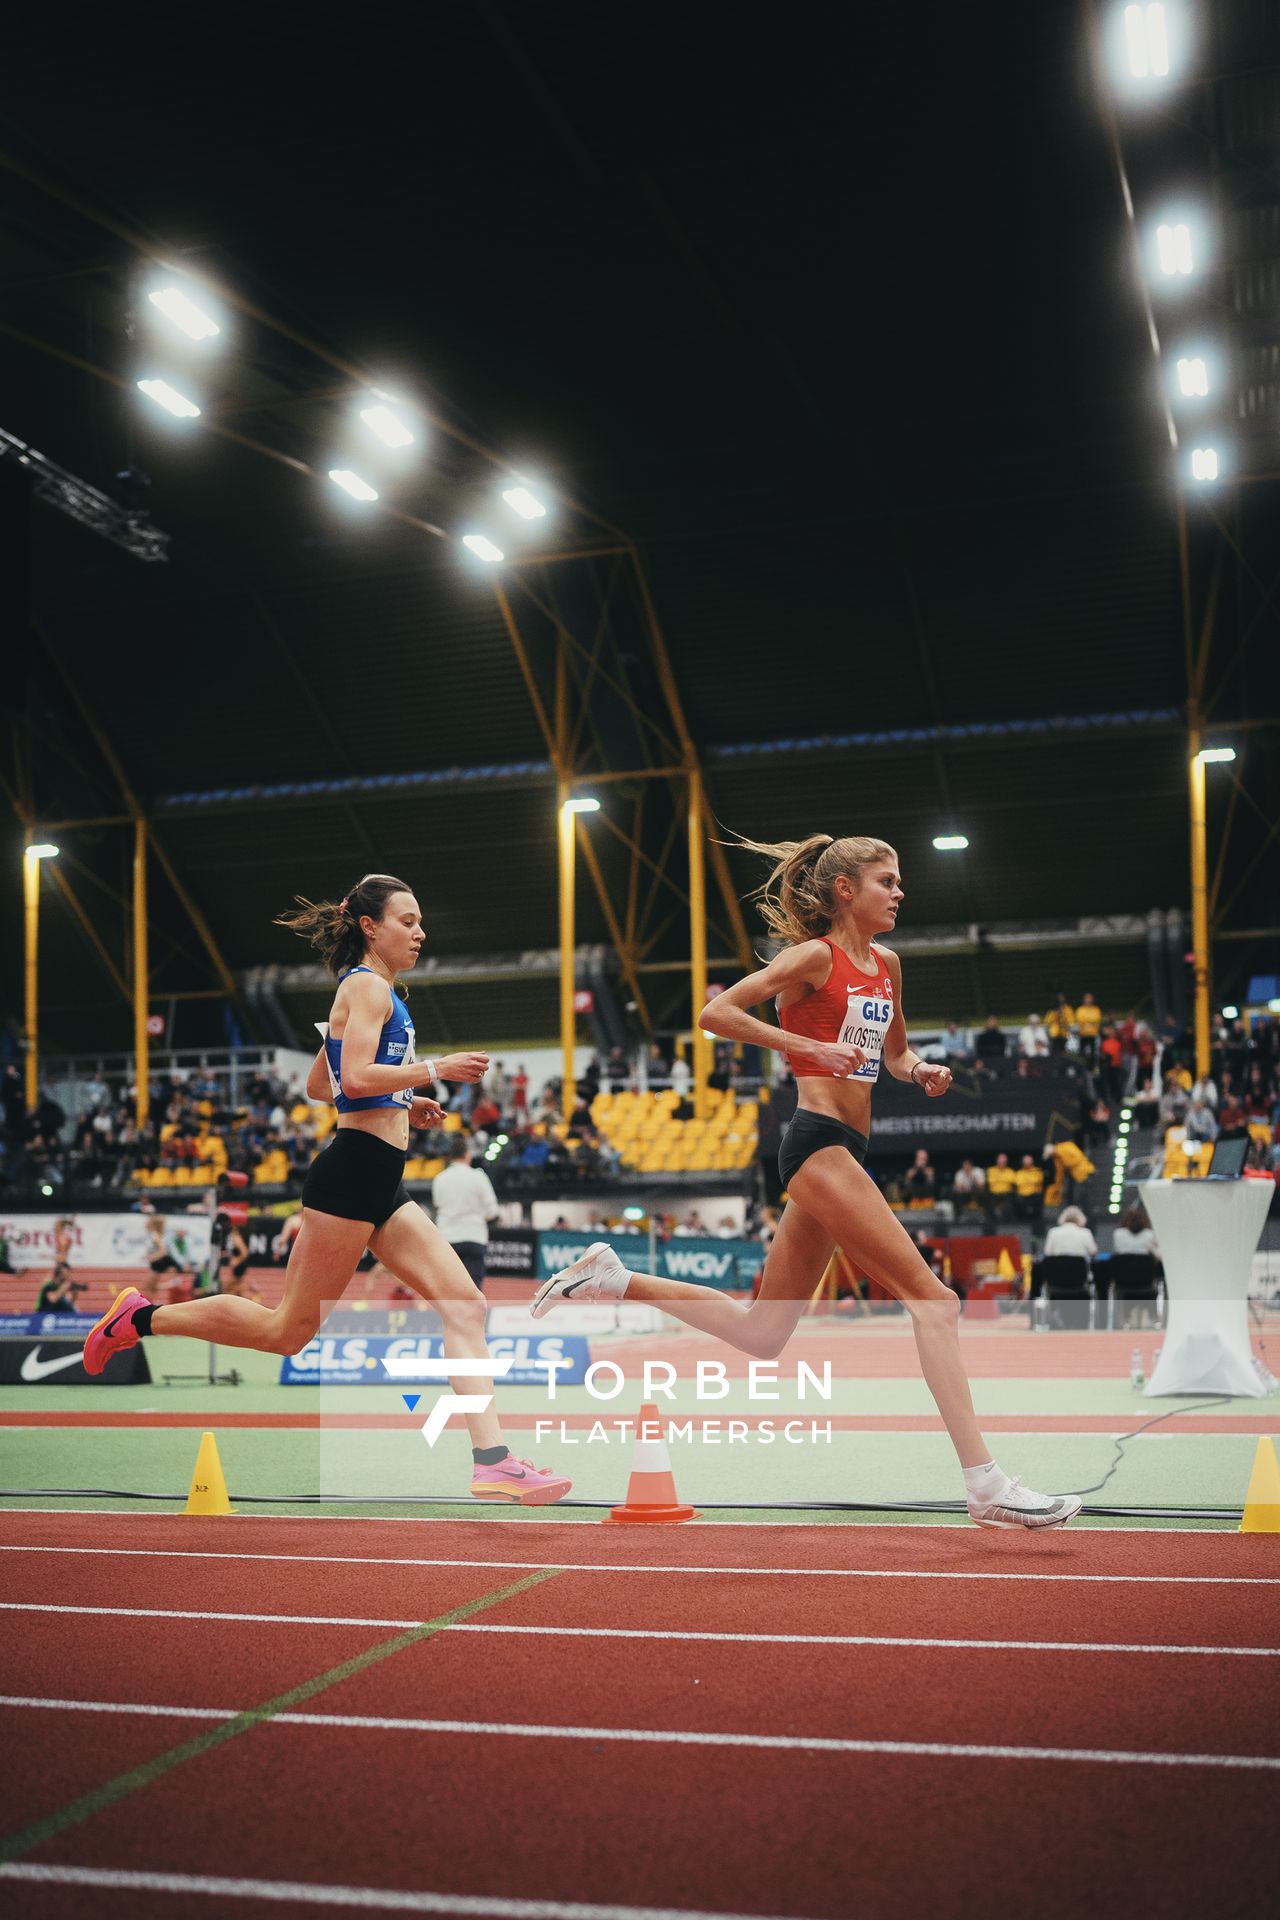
(637, 1115)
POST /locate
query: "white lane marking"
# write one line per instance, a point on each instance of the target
(626, 1566)
(1082, 1524)
(671, 1633)
(374, 1899)
(660, 1736)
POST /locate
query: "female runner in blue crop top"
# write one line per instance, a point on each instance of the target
(354, 1196)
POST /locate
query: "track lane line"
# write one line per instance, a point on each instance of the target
(681, 1737)
(630, 1566)
(655, 1633)
(498, 1519)
(110, 1791)
(384, 1899)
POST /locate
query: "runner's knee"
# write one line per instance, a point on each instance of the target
(291, 1333)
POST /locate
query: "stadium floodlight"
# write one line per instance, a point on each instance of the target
(1216, 756)
(1173, 248)
(1193, 378)
(1231, 1013)
(583, 804)
(182, 311)
(352, 483)
(386, 425)
(1147, 42)
(483, 548)
(170, 399)
(950, 842)
(526, 504)
(1204, 463)
(41, 850)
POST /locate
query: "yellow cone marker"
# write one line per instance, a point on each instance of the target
(1262, 1502)
(208, 1486)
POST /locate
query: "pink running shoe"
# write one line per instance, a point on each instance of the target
(519, 1482)
(114, 1333)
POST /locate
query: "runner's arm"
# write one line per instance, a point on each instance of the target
(808, 964)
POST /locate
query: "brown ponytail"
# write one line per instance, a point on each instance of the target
(333, 926)
(798, 900)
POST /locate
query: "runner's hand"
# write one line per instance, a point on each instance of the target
(817, 1056)
(462, 1066)
(424, 1112)
(933, 1080)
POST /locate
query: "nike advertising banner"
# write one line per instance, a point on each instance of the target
(105, 1239)
(730, 1264)
(331, 1361)
(57, 1363)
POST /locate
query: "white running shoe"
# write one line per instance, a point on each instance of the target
(597, 1274)
(1018, 1506)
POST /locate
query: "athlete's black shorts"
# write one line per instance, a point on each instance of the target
(807, 1132)
(357, 1177)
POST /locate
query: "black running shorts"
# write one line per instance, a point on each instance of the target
(807, 1133)
(357, 1177)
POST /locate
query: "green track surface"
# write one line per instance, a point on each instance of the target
(1159, 1469)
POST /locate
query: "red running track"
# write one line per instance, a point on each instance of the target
(712, 1823)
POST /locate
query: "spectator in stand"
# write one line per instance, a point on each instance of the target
(1111, 1064)
(1088, 1022)
(1200, 1123)
(991, 1045)
(1146, 1107)
(969, 1185)
(520, 1096)
(465, 1202)
(1033, 1041)
(1257, 1097)
(1134, 1233)
(1204, 1090)
(1059, 1021)
(919, 1183)
(956, 1048)
(1028, 1181)
(1001, 1181)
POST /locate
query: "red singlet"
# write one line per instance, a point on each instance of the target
(853, 1009)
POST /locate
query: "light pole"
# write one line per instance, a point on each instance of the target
(1200, 758)
(567, 826)
(31, 857)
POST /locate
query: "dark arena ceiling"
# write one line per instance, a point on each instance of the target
(834, 343)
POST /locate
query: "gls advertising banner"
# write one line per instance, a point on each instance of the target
(333, 1361)
(732, 1264)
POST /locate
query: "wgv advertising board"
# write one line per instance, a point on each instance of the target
(731, 1264)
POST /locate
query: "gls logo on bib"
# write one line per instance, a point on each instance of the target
(866, 1021)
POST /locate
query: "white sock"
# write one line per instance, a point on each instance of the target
(984, 1484)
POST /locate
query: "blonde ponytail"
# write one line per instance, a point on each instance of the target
(798, 899)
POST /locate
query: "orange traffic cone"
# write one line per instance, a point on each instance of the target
(651, 1490)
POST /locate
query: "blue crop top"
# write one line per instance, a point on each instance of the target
(395, 1049)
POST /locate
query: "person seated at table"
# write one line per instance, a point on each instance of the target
(1070, 1235)
(1135, 1233)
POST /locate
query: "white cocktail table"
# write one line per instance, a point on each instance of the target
(1207, 1230)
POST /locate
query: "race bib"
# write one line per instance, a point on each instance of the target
(866, 1023)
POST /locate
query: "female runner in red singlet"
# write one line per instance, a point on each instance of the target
(839, 1001)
